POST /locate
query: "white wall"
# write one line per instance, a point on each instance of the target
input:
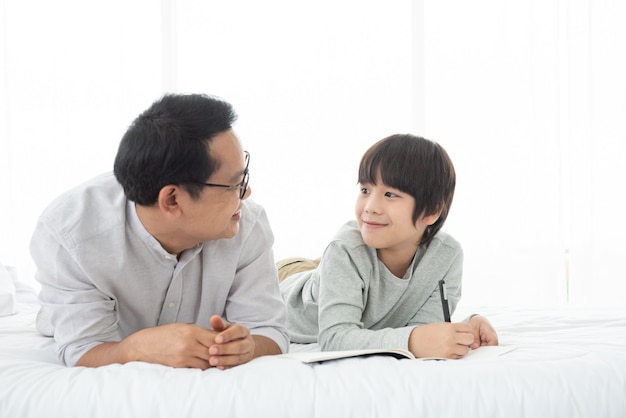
(527, 96)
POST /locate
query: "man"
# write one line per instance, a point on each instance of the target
(165, 261)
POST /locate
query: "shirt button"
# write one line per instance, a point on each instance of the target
(171, 304)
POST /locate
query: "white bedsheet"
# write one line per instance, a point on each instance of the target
(568, 363)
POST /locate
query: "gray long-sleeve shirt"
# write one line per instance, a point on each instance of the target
(352, 301)
(103, 276)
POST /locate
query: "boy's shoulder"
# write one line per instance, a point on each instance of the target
(349, 235)
(444, 241)
(348, 243)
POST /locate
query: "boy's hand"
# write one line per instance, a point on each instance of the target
(483, 331)
(444, 339)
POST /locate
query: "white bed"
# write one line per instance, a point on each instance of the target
(567, 363)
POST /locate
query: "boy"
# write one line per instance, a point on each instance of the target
(377, 284)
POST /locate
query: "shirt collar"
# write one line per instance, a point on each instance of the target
(137, 227)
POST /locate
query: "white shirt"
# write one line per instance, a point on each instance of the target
(104, 277)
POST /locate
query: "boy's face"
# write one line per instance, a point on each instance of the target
(385, 218)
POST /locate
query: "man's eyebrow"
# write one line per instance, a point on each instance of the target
(238, 175)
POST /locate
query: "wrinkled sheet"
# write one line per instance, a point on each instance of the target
(567, 363)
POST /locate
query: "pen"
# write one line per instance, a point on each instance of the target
(444, 300)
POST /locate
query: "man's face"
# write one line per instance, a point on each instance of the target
(216, 212)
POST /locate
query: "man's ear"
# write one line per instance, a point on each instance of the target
(168, 200)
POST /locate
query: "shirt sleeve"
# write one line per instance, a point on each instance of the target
(346, 288)
(342, 298)
(432, 310)
(254, 299)
(73, 310)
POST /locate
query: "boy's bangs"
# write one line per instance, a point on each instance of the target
(369, 170)
(386, 165)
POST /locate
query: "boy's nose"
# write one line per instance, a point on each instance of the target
(372, 207)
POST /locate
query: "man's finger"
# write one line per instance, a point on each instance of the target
(217, 323)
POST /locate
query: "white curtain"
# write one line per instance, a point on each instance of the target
(527, 96)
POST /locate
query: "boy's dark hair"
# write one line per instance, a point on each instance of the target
(169, 144)
(418, 167)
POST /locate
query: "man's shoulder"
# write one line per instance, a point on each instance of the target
(88, 208)
(252, 207)
(100, 187)
(253, 213)
(254, 220)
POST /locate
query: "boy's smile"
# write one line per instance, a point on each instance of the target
(371, 224)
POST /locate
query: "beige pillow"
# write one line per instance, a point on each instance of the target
(293, 265)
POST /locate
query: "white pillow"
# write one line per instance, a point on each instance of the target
(7, 292)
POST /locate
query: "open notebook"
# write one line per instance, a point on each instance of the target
(317, 356)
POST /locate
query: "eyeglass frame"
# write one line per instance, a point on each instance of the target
(243, 186)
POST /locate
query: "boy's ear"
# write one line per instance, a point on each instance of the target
(168, 200)
(431, 219)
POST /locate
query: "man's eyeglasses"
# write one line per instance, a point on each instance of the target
(243, 186)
